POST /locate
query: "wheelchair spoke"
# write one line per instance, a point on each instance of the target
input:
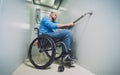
(39, 58)
(41, 52)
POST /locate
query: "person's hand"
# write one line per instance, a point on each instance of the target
(71, 24)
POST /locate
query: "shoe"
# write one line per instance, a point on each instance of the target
(67, 58)
(69, 64)
(73, 58)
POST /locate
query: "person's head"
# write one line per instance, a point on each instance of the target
(53, 16)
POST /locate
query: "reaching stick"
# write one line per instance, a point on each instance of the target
(90, 13)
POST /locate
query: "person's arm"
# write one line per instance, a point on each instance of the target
(65, 25)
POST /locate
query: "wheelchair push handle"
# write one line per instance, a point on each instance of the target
(36, 29)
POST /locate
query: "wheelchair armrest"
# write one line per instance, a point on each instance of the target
(54, 39)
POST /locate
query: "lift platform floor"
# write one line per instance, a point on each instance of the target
(27, 69)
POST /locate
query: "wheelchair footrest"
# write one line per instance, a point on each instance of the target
(69, 62)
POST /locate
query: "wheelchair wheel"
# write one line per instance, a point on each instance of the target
(59, 49)
(39, 50)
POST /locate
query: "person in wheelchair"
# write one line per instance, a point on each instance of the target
(48, 25)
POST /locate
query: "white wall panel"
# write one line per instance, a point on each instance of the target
(14, 34)
(96, 39)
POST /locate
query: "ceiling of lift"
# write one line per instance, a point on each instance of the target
(55, 4)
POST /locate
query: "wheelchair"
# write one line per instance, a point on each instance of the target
(44, 50)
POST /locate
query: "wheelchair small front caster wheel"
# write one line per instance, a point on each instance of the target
(61, 68)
